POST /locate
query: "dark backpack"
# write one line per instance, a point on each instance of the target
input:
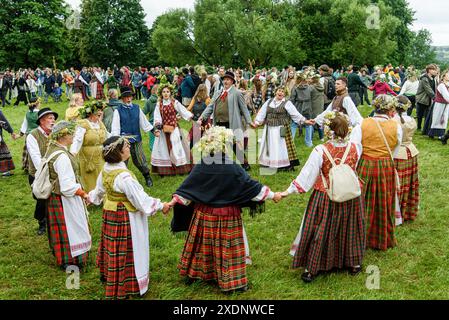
(329, 88)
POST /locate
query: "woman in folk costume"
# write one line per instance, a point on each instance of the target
(80, 85)
(88, 143)
(123, 253)
(342, 103)
(29, 123)
(171, 153)
(96, 85)
(197, 106)
(332, 234)
(406, 161)
(379, 139)
(213, 195)
(76, 103)
(440, 112)
(6, 163)
(68, 226)
(277, 149)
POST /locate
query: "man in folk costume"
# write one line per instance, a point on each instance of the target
(210, 201)
(171, 152)
(68, 226)
(227, 108)
(37, 143)
(124, 250)
(29, 123)
(379, 139)
(128, 120)
(342, 102)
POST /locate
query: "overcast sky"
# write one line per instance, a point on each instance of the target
(430, 14)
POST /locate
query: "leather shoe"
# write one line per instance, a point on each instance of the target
(355, 270)
(149, 181)
(246, 166)
(41, 230)
(307, 277)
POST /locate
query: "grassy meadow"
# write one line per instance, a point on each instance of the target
(418, 268)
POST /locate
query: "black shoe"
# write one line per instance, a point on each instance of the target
(307, 277)
(102, 278)
(246, 166)
(148, 181)
(41, 231)
(444, 139)
(353, 271)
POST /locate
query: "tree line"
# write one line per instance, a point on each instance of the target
(216, 32)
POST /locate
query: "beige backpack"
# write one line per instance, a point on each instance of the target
(343, 181)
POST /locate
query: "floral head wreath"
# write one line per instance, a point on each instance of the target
(34, 103)
(402, 105)
(215, 140)
(385, 102)
(328, 118)
(112, 146)
(91, 108)
(61, 129)
(164, 84)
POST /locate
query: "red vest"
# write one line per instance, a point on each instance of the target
(439, 97)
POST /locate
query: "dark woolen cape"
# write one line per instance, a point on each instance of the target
(215, 184)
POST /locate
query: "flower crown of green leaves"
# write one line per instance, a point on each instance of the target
(62, 129)
(385, 102)
(163, 83)
(330, 134)
(91, 108)
(215, 140)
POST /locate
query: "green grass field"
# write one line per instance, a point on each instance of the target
(418, 268)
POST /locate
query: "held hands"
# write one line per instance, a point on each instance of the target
(157, 133)
(166, 208)
(310, 122)
(278, 196)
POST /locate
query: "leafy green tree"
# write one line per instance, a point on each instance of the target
(32, 32)
(113, 31)
(421, 51)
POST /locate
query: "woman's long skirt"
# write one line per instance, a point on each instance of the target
(409, 189)
(115, 257)
(332, 234)
(215, 248)
(6, 163)
(58, 238)
(379, 191)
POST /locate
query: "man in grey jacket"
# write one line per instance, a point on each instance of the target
(227, 107)
(425, 95)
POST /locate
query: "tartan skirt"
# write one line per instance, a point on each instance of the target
(173, 170)
(333, 234)
(215, 248)
(6, 163)
(58, 238)
(409, 190)
(291, 148)
(25, 157)
(115, 257)
(379, 191)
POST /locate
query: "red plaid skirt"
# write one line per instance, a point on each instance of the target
(333, 234)
(215, 249)
(58, 238)
(115, 255)
(100, 91)
(173, 170)
(6, 163)
(409, 192)
(379, 191)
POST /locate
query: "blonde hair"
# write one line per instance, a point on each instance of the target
(201, 93)
(75, 97)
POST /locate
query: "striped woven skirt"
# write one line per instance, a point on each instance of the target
(115, 257)
(409, 191)
(291, 148)
(332, 235)
(173, 170)
(215, 249)
(379, 191)
(6, 163)
(25, 157)
(58, 238)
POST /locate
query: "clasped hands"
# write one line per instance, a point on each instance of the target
(278, 196)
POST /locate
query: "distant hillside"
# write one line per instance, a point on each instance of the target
(442, 53)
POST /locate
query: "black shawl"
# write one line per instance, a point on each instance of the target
(216, 182)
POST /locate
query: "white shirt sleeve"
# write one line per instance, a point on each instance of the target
(33, 150)
(157, 115)
(66, 176)
(145, 125)
(294, 113)
(261, 115)
(399, 136)
(264, 194)
(115, 126)
(354, 114)
(320, 118)
(356, 138)
(444, 92)
(125, 183)
(309, 173)
(404, 88)
(78, 139)
(185, 114)
(96, 196)
(24, 127)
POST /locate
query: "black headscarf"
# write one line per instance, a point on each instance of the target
(216, 182)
